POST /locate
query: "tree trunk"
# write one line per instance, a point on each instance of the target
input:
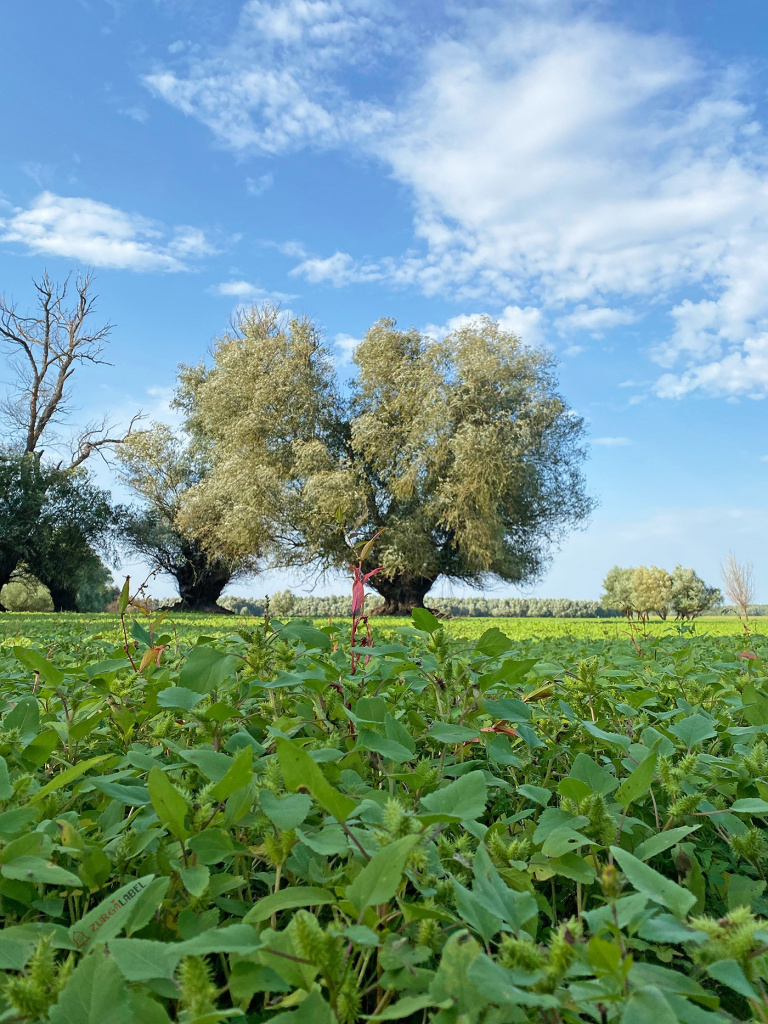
(64, 598)
(200, 591)
(6, 572)
(402, 594)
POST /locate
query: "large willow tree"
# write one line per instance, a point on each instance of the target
(461, 451)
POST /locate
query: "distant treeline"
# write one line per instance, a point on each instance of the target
(287, 603)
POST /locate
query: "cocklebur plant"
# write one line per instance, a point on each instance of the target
(32, 992)
(465, 856)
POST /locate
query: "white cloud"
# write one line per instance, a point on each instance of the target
(101, 235)
(527, 323)
(554, 161)
(136, 113)
(248, 291)
(596, 320)
(272, 88)
(345, 345)
(258, 186)
(611, 442)
(743, 371)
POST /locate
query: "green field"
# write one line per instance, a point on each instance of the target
(45, 627)
(473, 822)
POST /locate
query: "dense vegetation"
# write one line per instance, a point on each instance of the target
(272, 825)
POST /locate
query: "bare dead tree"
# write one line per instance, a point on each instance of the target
(47, 347)
(739, 584)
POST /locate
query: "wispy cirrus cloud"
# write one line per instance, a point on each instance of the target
(101, 235)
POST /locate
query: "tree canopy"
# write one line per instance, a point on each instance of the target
(645, 590)
(460, 450)
(161, 467)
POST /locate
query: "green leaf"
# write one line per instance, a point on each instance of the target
(640, 779)
(538, 794)
(211, 763)
(587, 770)
(145, 904)
(237, 776)
(307, 635)
(25, 717)
(647, 1005)
(663, 841)
(653, 885)
(125, 596)
(170, 806)
(404, 1007)
(493, 643)
(465, 797)
(206, 668)
(288, 899)
(143, 959)
(497, 985)
(425, 620)
(211, 846)
(178, 697)
(37, 869)
(693, 729)
(445, 732)
(750, 805)
(195, 879)
(301, 772)
(729, 972)
(312, 1010)
(131, 796)
(395, 730)
(6, 789)
(285, 813)
(68, 775)
(367, 739)
(42, 746)
(111, 915)
(94, 993)
(380, 878)
(33, 659)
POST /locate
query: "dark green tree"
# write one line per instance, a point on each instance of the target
(23, 484)
(75, 522)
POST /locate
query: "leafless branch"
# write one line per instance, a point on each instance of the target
(95, 439)
(49, 346)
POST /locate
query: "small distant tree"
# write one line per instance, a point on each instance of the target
(618, 592)
(690, 595)
(97, 589)
(739, 584)
(651, 591)
(25, 594)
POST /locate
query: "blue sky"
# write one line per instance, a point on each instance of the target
(594, 175)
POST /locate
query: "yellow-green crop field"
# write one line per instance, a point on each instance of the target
(39, 627)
